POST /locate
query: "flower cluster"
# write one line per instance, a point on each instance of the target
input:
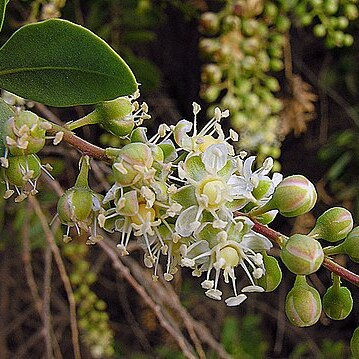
(23, 135)
(177, 193)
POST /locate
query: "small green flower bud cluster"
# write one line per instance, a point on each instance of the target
(23, 135)
(91, 310)
(240, 46)
(334, 17)
(243, 43)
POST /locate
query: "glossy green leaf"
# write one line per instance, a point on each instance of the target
(60, 64)
(3, 4)
(5, 113)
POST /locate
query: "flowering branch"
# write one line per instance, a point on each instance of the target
(327, 262)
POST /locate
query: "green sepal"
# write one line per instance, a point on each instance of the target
(195, 168)
(273, 274)
(169, 151)
(185, 196)
(62, 64)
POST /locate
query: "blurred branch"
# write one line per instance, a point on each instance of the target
(62, 270)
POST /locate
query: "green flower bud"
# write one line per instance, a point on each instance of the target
(75, 205)
(294, 196)
(209, 23)
(348, 40)
(354, 344)
(333, 225)
(306, 19)
(337, 301)
(25, 133)
(351, 11)
(303, 305)
(319, 30)
(273, 274)
(210, 93)
(21, 169)
(351, 245)
(79, 206)
(211, 74)
(133, 163)
(302, 254)
(114, 117)
(331, 6)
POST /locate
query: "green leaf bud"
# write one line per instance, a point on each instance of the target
(303, 305)
(21, 169)
(351, 245)
(333, 225)
(354, 344)
(302, 254)
(337, 302)
(273, 274)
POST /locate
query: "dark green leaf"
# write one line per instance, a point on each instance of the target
(3, 4)
(60, 64)
(5, 113)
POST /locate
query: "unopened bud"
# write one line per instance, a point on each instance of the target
(302, 254)
(303, 305)
(351, 245)
(354, 344)
(21, 169)
(337, 302)
(333, 225)
(113, 116)
(209, 23)
(294, 196)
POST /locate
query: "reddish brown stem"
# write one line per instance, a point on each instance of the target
(341, 271)
(85, 147)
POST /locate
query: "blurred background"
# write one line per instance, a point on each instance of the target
(288, 73)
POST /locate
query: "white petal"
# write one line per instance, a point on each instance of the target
(256, 242)
(214, 157)
(237, 300)
(252, 288)
(186, 223)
